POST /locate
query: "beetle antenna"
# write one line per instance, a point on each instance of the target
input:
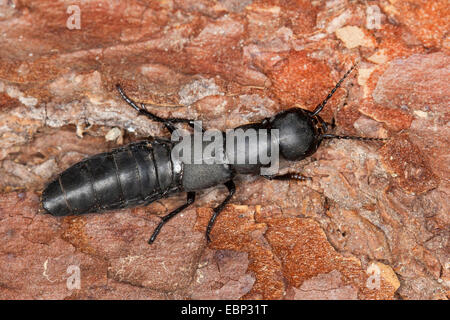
(333, 136)
(324, 102)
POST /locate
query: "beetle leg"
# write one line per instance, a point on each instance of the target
(189, 122)
(217, 210)
(168, 123)
(190, 200)
(289, 176)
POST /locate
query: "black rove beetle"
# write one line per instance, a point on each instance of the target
(142, 172)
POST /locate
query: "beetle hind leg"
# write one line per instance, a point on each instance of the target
(190, 200)
(217, 210)
(168, 122)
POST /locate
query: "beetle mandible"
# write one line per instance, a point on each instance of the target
(145, 171)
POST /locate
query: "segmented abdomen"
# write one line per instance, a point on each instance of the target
(136, 174)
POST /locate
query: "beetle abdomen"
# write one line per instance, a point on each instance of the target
(129, 176)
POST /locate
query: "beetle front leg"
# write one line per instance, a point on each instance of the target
(288, 176)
